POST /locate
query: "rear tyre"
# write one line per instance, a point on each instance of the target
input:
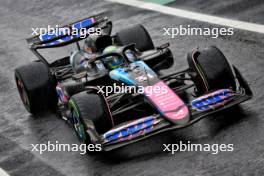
(86, 107)
(211, 70)
(136, 34)
(36, 87)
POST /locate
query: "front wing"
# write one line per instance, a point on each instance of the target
(133, 131)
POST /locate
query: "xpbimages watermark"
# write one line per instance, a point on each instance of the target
(60, 147)
(189, 147)
(70, 31)
(122, 89)
(197, 31)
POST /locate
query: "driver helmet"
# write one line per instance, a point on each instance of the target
(112, 62)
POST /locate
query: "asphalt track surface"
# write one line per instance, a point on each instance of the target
(243, 127)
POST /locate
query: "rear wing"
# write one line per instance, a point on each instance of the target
(62, 38)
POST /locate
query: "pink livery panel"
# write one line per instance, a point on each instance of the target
(168, 103)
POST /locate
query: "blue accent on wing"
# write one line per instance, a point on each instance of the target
(133, 130)
(82, 24)
(212, 100)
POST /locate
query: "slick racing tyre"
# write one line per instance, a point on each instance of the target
(89, 110)
(136, 34)
(36, 87)
(211, 70)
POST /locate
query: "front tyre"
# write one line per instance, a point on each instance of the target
(211, 70)
(89, 111)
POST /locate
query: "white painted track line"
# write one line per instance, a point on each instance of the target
(3, 173)
(193, 15)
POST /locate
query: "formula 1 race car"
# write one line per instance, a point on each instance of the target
(73, 85)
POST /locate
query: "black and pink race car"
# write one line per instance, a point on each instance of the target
(72, 85)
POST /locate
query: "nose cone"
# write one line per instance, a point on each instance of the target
(168, 103)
